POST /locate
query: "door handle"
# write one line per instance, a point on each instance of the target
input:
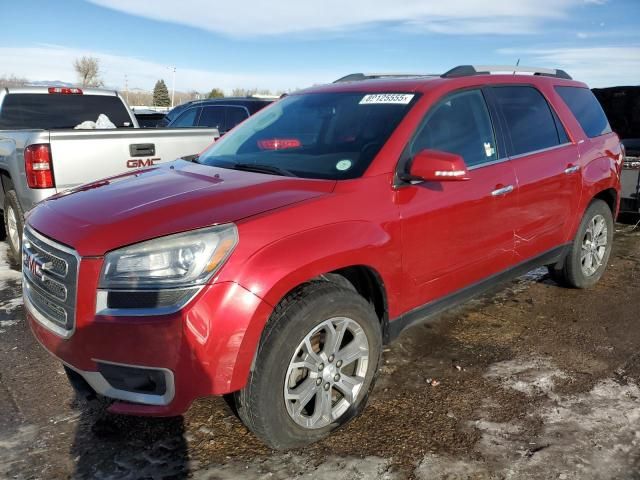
(571, 169)
(502, 191)
(142, 149)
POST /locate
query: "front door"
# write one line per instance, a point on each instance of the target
(456, 233)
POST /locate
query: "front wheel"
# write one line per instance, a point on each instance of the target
(314, 368)
(587, 260)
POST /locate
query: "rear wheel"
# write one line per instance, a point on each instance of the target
(587, 260)
(13, 224)
(314, 368)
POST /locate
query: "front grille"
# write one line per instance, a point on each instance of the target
(50, 278)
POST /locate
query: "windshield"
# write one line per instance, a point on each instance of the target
(314, 135)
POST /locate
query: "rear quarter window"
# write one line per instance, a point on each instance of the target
(57, 111)
(587, 110)
(529, 119)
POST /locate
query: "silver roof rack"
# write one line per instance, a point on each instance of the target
(469, 70)
(354, 77)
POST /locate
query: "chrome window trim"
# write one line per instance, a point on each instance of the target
(542, 150)
(39, 317)
(97, 381)
(103, 309)
(521, 155)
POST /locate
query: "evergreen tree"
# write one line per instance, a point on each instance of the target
(216, 93)
(161, 94)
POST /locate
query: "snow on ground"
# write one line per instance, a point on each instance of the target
(11, 284)
(595, 435)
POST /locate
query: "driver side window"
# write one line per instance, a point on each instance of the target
(460, 124)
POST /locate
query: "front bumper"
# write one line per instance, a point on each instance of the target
(204, 349)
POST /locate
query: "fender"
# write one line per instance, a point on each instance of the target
(309, 254)
(598, 176)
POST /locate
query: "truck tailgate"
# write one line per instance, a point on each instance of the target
(81, 156)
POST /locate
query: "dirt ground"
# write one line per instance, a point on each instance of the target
(533, 381)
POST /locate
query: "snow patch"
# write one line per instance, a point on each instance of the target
(281, 467)
(593, 435)
(531, 377)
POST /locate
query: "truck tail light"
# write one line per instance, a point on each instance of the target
(66, 90)
(38, 166)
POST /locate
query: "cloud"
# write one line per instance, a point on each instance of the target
(249, 18)
(603, 66)
(54, 62)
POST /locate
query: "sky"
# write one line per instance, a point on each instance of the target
(289, 44)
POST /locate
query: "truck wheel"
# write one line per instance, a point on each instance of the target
(314, 368)
(590, 251)
(13, 224)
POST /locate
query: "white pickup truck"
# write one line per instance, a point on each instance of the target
(41, 152)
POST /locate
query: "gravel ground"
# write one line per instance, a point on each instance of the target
(533, 381)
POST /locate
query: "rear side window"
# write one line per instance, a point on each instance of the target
(186, 119)
(55, 111)
(235, 115)
(212, 117)
(528, 119)
(459, 124)
(585, 107)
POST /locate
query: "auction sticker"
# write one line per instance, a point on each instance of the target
(386, 98)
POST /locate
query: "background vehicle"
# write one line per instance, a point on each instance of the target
(317, 230)
(622, 106)
(220, 113)
(147, 118)
(41, 154)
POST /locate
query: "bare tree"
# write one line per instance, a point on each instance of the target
(12, 81)
(88, 70)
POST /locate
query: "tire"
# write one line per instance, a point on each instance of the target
(284, 423)
(13, 224)
(585, 263)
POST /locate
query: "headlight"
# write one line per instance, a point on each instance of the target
(175, 261)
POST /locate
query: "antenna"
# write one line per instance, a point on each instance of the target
(517, 64)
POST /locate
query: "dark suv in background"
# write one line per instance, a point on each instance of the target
(220, 113)
(622, 106)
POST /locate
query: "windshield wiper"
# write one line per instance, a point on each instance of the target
(191, 158)
(256, 167)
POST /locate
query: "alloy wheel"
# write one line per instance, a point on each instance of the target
(594, 245)
(12, 229)
(326, 373)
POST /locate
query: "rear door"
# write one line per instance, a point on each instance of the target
(456, 233)
(546, 165)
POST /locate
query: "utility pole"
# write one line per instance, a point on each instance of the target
(126, 88)
(173, 85)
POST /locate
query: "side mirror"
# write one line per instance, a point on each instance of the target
(437, 166)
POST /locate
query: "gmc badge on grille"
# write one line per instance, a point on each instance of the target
(35, 266)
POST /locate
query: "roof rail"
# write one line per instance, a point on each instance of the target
(469, 70)
(354, 77)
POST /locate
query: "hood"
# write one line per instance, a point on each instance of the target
(175, 197)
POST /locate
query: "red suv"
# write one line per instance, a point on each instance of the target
(276, 265)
